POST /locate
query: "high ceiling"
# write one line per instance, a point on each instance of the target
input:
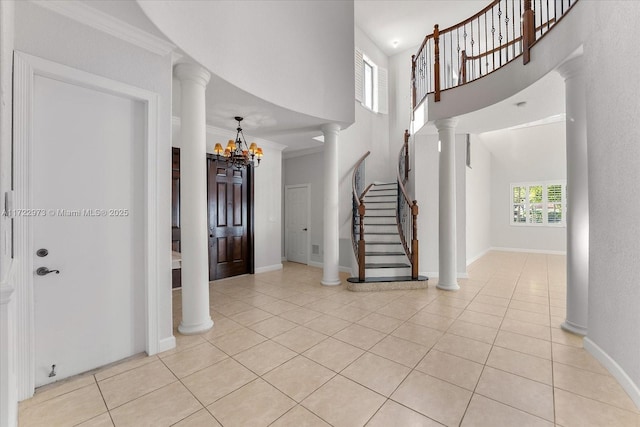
(407, 22)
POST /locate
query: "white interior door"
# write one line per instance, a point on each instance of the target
(87, 188)
(297, 223)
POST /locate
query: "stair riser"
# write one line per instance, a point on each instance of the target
(387, 272)
(388, 259)
(372, 220)
(372, 213)
(380, 198)
(380, 228)
(383, 205)
(382, 238)
(383, 248)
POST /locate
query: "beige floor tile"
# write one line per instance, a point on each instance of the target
(327, 325)
(238, 341)
(299, 416)
(357, 403)
(577, 357)
(521, 393)
(251, 316)
(134, 383)
(432, 321)
(480, 307)
(530, 306)
(434, 398)
(398, 310)
(536, 299)
(463, 347)
(58, 388)
(273, 326)
(216, 381)
(300, 339)
(486, 299)
(594, 386)
(123, 366)
(561, 336)
(393, 414)
(103, 420)
(299, 377)
(279, 307)
(528, 316)
(418, 334)
(525, 328)
(71, 408)
(301, 299)
(300, 315)
(525, 365)
(456, 370)
(443, 310)
(377, 373)
(259, 300)
(577, 411)
(558, 311)
(333, 354)
(473, 331)
(256, 404)
(348, 313)
(221, 327)
(264, 357)
(400, 350)
(202, 418)
(162, 407)
(230, 308)
(183, 342)
(324, 305)
(524, 344)
(193, 359)
(360, 336)
(484, 412)
(481, 319)
(380, 323)
(453, 302)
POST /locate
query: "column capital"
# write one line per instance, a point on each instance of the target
(330, 128)
(194, 72)
(443, 124)
(571, 68)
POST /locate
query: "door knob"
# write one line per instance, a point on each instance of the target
(304, 229)
(43, 271)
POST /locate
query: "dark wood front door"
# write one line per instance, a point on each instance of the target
(230, 217)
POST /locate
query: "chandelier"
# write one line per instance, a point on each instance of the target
(237, 153)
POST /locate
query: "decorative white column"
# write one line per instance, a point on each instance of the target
(193, 200)
(447, 276)
(330, 274)
(577, 197)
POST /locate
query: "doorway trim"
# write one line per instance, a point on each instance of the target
(286, 210)
(26, 67)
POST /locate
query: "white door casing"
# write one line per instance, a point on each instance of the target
(27, 70)
(297, 229)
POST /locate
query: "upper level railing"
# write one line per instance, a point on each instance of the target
(407, 210)
(481, 44)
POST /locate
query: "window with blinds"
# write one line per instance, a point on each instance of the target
(539, 203)
(371, 86)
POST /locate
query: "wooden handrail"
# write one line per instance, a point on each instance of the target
(353, 178)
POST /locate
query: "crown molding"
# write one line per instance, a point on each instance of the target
(106, 23)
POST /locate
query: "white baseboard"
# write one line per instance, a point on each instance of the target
(266, 268)
(531, 251)
(477, 257)
(166, 344)
(315, 264)
(614, 369)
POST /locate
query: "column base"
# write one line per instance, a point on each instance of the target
(331, 282)
(448, 287)
(195, 329)
(573, 328)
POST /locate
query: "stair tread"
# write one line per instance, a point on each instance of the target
(383, 243)
(388, 279)
(384, 253)
(384, 234)
(387, 265)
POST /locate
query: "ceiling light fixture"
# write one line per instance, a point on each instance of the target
(238, 153)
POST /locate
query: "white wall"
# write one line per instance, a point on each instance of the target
(43, 33)
(298, 55)
(478, 200)
(535, 153)
(426, 192)
(614, 234)
(267, 195)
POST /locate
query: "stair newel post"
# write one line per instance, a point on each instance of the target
(436, 64)
(406, 154)
(463, 67)
(528, 31)
(361, 243)
(414, 240)
(413, 81)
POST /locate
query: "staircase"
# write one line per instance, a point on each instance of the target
(385, 259)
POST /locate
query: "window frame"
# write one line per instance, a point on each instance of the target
(366, 62)
(545, 202)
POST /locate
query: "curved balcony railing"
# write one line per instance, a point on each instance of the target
(479, 45)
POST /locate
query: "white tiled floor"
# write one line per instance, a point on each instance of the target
(286, 351)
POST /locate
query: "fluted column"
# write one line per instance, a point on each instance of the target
(193, 200)
(447, 276)
(330, 275)
(577, 197)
